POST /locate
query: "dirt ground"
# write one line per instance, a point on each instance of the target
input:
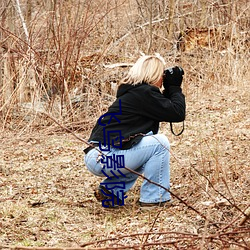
(46, 192)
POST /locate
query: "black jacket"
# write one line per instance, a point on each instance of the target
(142, 107)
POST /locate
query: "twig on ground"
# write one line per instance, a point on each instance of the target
(246, 216)
(175, 237)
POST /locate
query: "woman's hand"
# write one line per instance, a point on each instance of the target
(173, 77)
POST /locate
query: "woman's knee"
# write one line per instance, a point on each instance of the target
(163, 140)
(92, 164)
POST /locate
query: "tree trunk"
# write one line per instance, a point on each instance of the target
(28, 87)
(6, 66)
(171, 20)
(150, 10)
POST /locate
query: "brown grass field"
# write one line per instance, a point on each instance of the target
(63, 68)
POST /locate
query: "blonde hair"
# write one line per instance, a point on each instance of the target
(148, 69)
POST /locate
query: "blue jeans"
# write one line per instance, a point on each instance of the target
(149, 157)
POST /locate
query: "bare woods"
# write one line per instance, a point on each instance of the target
(65, 58)
(53, 54)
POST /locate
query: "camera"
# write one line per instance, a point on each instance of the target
(173, 76)
(171, 71)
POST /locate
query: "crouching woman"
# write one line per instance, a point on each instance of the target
(127, 134)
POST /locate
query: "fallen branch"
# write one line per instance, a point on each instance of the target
(174, 237)
(115, 65)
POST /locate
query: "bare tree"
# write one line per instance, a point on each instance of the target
(171, 19)
(150, 11)
(6, 62)
(27, 84)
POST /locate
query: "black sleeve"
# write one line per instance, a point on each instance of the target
(169, 107)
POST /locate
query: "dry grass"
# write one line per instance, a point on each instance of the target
(46, 192)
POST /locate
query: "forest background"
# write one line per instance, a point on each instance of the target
(60, 65)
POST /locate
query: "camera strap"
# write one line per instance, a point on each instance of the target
(172, 130)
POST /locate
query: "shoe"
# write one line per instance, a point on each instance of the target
(106, 199)
(150, 206)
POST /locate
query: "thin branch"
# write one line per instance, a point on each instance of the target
(174, 236)
(217, 191)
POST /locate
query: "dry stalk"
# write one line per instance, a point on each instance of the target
(153, 224)
(247, 216)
